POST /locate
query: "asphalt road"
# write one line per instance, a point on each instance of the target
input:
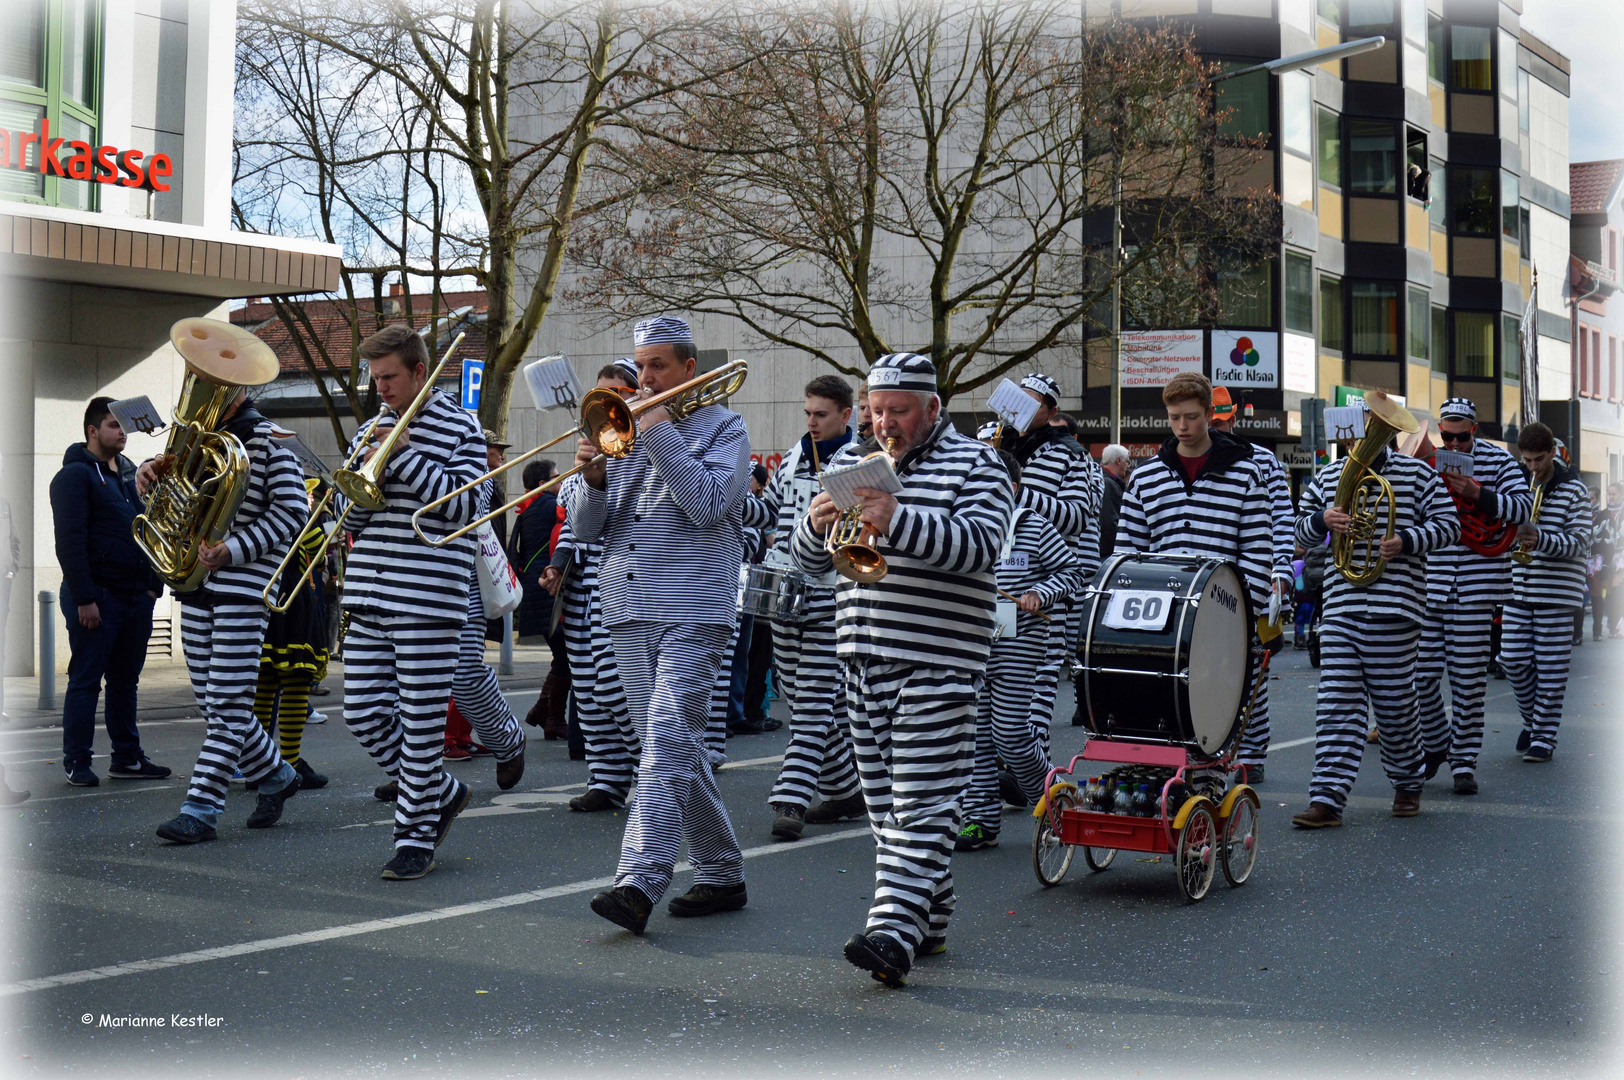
(1476, 939)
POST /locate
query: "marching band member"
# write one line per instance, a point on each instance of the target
(1368, 637)
(223, 629)
(1039, 569)
(407, 602)
(818, 760)
(1463, 589)
(668, 515)
(915, 644)
(1255, 743)
(1537, 631)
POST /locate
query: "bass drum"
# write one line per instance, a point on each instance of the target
(1165, 651)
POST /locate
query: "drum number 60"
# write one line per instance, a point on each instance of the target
(1138, 610)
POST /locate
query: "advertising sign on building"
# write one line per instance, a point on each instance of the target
(1296, 363)
(1247, 358)
(1151, 357)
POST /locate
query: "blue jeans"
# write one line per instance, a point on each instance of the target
(741, 670)
(116, 650)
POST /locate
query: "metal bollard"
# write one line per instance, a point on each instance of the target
(505, 665)
(47, 650)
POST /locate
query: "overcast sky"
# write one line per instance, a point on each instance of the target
(1591, 34)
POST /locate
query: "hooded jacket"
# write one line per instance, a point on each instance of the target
(92, 507)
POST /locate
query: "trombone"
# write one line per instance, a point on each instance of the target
(610, 421)
(362, 486)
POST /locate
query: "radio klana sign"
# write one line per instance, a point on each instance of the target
(102, 164)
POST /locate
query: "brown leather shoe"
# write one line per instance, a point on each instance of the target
(510, 772)
(1406, 803)
(1317, 816)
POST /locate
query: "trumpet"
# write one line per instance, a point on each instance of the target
(851, 541)
(1362, 492)
(1522, 554)
(610, 421)
(363, 486)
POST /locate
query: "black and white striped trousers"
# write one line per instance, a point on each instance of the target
(1046, 681)
(1536, 645)
(1366, 668)
(1004, 726)
(397, 684)
(1255, 743)
(222, 646)
(818, 759)
(1455, 641)
(477, 693)
(670, 673)
(913, 731)
(612, 745)
(721, 695)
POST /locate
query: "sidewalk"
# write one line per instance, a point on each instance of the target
(166, 690)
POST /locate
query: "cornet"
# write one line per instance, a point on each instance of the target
(1523, 554)
(851, 541)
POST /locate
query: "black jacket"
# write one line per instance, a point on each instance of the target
(1110, 502)
(92, 507)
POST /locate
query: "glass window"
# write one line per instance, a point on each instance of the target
(1374, 319)
(1297, 113)
(1440, 340)
(50, 70)
(1510, 214)
(1474, 345)
(1471, 201)
(1526, 244)
(1372, 157)
(1246, 296)
(1436, 51)
(22, 48)
(1330, 313)
(1522, 100)
(79, 51)
(1299, 293)
(22, 183)
(1330, 148)
(1368, 14)
(1244, 102)
(1415, 19)
(1439, 190)
(1331, 11)
(1420, 327)
(1470, 64)
(1510, 352)
(1508, 64)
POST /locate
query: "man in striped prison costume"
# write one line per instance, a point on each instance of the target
(1369, 634)
(223, 629)
(1255, 743)
(407, 602)
(818, 760)
(669, 518)
(1039, 569)
(1536, 639)
(915, 645)
(1061, 483)
(1463, 589)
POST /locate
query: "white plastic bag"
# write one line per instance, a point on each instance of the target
(498, 585)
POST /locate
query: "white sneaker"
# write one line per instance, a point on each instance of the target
(316, 718)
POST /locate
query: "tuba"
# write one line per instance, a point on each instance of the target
(203, 472)
(1524, 554)
(1362, 492)
(851, 542)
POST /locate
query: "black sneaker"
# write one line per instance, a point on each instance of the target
(747, 727)
(141, 770)
(788, 821)
(1254, 773)
(594, 800)
(708, 900)
(772, 723)
(309, 779)
(625, 906)
(1524, 739)
(269, 810)
(409, 864)
(1465, 784)
(454, 806)
(83, 777)
(1433, 761)
(974, 837)
(881, 956)
(1009, 789)
(186, 829)
(511, 771)
(387, 792)
(1538, 754)
(931, 946)
(829, 812)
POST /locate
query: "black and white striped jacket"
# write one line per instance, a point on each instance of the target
(1556, 577)
(273, 509)
(1283, 514)
(671, 522)
(390, 571)
(581, 556)
(1226, 513)
(1425, 519)
(1038, 560)
(781, 505)
(1457, 574)
(935, 606)
(1063, 484)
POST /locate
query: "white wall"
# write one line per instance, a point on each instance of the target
(1548, 134)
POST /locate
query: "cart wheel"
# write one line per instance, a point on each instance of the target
(1098, 858)
(1051, 856)
(1197, 853)
(1238, 852)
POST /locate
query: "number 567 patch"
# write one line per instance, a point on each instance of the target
(1138, 609)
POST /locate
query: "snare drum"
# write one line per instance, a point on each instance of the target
(1165, 652)
(772, 592)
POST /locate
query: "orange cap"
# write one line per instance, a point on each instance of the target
(1222, 405)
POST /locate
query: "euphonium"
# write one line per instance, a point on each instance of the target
(203, 473)
(1525, 554)
(1361, 491)
(851, 541)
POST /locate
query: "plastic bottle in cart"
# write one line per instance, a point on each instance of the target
(1105, 794)
(1086, 797)
(1142, 802)
(1123, 803)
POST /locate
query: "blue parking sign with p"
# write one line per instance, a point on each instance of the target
(473, 379)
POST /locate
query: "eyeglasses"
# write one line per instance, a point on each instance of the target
(1456, 436)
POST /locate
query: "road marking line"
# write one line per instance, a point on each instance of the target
(1289, 744)
(372, 926)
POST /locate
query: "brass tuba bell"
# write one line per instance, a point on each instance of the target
(203, 472)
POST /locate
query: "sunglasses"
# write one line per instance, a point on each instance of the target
(1455, 436)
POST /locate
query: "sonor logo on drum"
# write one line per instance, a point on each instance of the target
(1227, 599)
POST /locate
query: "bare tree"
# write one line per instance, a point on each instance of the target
(939, 176)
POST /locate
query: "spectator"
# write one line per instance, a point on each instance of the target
(108, 589)
(535, 535)
(495, 456)
(1114, 462)
(1607, 566)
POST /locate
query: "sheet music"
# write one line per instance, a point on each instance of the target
(874, 471)
(1453, 461)
(552, 383)
(1344, 422)
(1013, 405)
(137, 415)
